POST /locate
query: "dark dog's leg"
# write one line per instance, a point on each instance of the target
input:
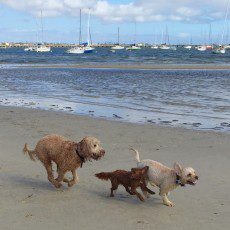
(144, 188)
(134, 191)
(48, 167)
(114, 187)
(128, 190)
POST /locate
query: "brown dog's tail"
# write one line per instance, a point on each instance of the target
(104, 175)
(31, 153)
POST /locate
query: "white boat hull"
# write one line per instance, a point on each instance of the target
(165, 47)
(201, 48)
(118, 47)
(219, 51)
(188, 47)
(29, 49)
(76, 50)
(41, 49)
(133, 48)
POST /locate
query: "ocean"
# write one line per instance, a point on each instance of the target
(193, 99)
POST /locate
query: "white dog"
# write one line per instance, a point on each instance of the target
(166, 178)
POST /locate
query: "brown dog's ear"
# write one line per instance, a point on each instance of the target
(177, 168)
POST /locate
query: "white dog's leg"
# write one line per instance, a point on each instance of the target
(154, 185)
(146, 194)
(166, 201)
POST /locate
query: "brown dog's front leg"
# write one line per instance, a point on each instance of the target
(145, 188)
(114, 187)
(48, 167)
(75, 178)
(128, 190)
(134, 191)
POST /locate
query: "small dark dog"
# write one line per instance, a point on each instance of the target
(129, 179)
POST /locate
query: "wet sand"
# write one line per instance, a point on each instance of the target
(29, 201)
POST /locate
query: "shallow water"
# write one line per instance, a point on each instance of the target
(145, 56)
(196, 99)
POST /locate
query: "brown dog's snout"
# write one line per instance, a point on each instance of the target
(196, 177)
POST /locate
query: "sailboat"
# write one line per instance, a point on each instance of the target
(77, 49)
(221, 49)
(134, 47)
(118, 46)
(155, 46)
(166, 45)
(41, 47)
(88, 48)
(202, 48)
(189, 47)
(29, 48)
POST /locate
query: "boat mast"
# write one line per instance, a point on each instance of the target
(210, 34)
(166, 35)
(118, 35)
(225, 22)
(80, 36)
(42, 38)
(89, 28)
(135, 32)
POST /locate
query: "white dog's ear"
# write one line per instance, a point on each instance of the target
(177, 168)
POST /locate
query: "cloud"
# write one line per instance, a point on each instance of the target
(189, 11)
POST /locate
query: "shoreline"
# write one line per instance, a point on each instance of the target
(28, 199)
(68, 110)
(106, 119)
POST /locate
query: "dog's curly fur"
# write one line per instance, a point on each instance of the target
(68, 155)
(129, 179)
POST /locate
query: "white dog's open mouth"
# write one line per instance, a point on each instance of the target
(192, 182)
(96, 157)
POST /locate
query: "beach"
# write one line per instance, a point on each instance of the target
(29, 201)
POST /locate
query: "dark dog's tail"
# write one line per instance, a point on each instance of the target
(31, 153)
(104, 175)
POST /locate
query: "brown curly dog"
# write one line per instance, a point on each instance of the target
(68, 156)
(129, 179)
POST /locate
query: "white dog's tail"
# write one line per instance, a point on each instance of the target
(137, 157)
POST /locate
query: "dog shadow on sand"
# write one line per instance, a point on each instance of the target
(28, 182)
(123, 197)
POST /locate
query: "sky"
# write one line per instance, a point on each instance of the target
(185, 20)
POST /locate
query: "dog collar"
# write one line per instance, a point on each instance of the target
(81, 158)
(178, 181)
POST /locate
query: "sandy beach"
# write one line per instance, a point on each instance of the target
(29, 201)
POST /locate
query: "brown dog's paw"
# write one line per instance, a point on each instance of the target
(57, 184)
(71, 183)
(141, 199)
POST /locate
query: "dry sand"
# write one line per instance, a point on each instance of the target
(29, 201)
